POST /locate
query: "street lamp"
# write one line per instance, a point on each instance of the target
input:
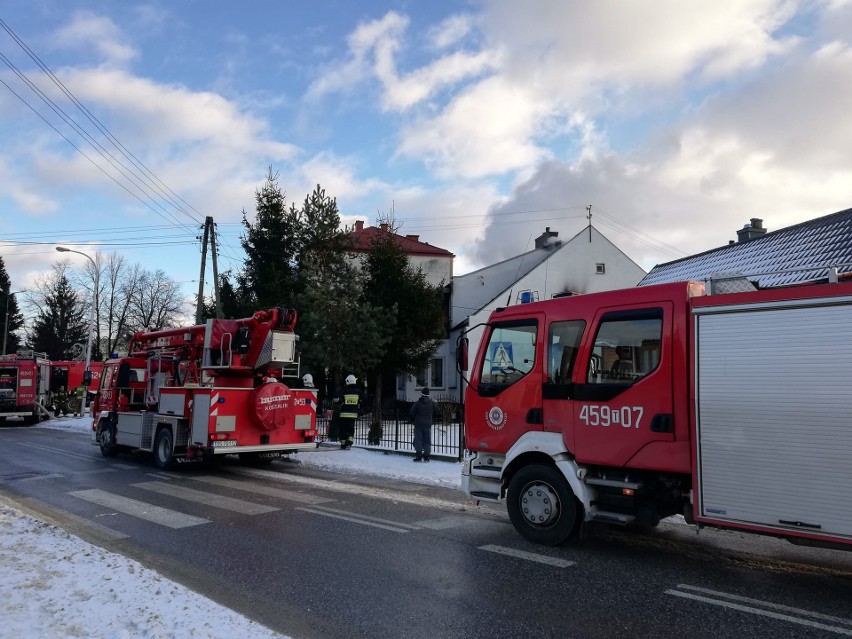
(63, 249)
(6, 327)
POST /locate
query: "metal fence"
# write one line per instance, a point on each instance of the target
(398, 432)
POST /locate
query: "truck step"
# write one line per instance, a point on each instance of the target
(481, 494)
(486, 470)
(620, 519)
(612, 483)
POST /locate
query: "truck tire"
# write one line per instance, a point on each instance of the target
(541, 505)
(106, 439)
(164, 449)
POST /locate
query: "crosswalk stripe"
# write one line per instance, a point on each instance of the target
(529, 556)
(140, 509)
(269, 491)
(366, 517)
(208, 499)
(354, 520)
(59, 451)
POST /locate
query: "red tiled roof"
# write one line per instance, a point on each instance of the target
(363, 236)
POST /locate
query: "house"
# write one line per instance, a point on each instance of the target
(586, 263)
(435, 263)
(437, 266)
(801, 253)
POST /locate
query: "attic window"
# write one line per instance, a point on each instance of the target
(600, 268)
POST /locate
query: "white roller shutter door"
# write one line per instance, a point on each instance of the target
(774, 408)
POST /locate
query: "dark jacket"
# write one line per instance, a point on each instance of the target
(348, 400)
(423, 411)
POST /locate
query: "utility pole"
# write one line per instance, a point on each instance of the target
(200, 301)
(209, 236)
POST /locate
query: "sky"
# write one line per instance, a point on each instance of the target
(473, 124)
(49, 578)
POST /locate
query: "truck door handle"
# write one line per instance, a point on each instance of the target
(662, 423)
(534, 416)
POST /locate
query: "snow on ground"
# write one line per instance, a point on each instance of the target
(56, 585)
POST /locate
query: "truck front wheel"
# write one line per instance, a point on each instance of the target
(106, 439)
(164, 449)
(541, 505)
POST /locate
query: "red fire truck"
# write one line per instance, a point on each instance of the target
(70, 377)
(25, 386)
(629, 406)
(192, 393)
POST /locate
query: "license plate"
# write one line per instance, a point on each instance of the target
(224, 443)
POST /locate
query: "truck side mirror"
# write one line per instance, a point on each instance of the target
(87, 378)
(461, 354)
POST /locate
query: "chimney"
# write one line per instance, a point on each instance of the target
(416, 238)
(543, 240)
(751, 231)
(383, 226)
(359, 225)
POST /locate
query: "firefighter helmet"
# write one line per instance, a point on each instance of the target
(350, 380)
(308, 380)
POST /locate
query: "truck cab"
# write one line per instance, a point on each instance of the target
(577, 410)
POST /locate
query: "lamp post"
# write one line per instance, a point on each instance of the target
(6, 326)
(63, 249)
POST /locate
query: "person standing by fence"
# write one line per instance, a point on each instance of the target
(422, 412)
(348, 399)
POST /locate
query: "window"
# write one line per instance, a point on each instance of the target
(431, 376)
(437, 373)
(401, 382)
(600, 268)
(511, 352)
(627, 347)
(562, 350)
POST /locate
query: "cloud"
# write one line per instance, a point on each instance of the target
(89, 30)
(372, 54)
(451, 31)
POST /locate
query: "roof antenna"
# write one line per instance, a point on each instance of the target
(589, 216)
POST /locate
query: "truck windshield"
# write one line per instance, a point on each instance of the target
(510, 353)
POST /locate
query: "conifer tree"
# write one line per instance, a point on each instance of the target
(60, 324)
(12, 319)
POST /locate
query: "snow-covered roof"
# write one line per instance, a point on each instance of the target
(799, 253)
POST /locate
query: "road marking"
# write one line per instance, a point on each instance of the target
(354, 520)
(140, 509)
(356, 489)
(269, 491)
(442, 523)
(208, 499)
(529, 556)
(367, 517)
(768, 604)
(764, 613)
(57, 451)
(161, 476)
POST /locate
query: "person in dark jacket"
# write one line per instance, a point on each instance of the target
(422, 412)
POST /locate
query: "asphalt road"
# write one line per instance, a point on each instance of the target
(318, 554)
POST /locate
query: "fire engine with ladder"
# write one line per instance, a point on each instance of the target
(25, 386)
(625, 407)
(187, 394)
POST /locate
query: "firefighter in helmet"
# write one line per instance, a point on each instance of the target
(348, 400)
(308, 380)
